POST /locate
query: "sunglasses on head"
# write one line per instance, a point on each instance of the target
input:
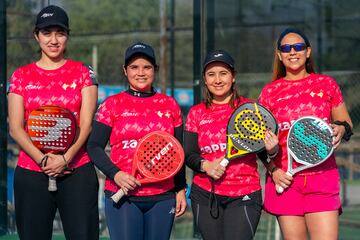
(297, 47)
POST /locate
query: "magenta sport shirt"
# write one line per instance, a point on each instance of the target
(60, 87)
(241, 176)
(315, 95)
(131, 118)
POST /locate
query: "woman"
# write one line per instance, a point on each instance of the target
(310, 203)
(54, 80)
(147, 212)
(235, 205)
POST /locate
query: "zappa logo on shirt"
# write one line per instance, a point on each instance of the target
(214, 148)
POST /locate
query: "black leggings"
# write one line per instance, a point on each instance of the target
(76, 199)
(237, 217)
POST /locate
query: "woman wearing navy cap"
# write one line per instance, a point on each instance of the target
(147, 211)
(233, 210)
(54, 80)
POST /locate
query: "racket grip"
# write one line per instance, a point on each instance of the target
(117, 196)
(280, 189)
(224, 162)
(52, 184)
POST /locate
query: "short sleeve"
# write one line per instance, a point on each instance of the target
(177, 114)
(16, 83)
(104, 113)
(89, 76)
(336, 95)
(191, 121)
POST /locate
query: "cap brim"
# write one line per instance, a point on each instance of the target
(51, 24)
(216, 60)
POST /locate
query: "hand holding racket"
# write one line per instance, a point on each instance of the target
(158, 156)
(246, 130)
(52, 129)
(310, 143)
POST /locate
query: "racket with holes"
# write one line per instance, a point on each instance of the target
(52, 129)
(158, 156)
(246, 130)
(310, 143)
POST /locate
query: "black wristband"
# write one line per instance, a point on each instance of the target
(348, 131)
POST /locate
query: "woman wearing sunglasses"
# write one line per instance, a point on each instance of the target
(310, 204)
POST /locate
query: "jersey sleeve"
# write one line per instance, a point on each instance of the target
(88, 76)
(177, 114)
(16, 84)
(263, 97)
(336, 95)
(191, 121)
(104, 113)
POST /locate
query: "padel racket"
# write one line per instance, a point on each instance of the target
(158, 156)
(246, 130)
(52, 129)
(310, 143)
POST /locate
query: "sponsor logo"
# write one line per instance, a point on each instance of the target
(138, 46)
(129, 114)
(320, 94)
(246, 198)
(205, 121)
(29, 87)
(218, 55)
(166, 114)
(45, 15)
(214, 148)
(158, 156)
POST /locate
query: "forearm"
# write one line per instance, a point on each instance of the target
(192, 151)
(96, 149)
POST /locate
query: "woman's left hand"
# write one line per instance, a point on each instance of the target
(271, 141)
(180, 203)
(339, 132)
(55, 165)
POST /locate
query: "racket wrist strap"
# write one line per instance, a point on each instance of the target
(202, 165)
(348, 130)
(272, 169)
(66, 163)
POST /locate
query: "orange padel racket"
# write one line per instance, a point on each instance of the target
(158, 156)
(52, 129)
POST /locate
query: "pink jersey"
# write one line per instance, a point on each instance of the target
(61, 87)
(315, 95)
(131, 118)
(241, 176)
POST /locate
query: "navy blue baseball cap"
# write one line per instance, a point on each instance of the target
(52, 16)
(219, 56)
(141, 49)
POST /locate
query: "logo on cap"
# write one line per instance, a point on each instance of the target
(138, 46)
(219, 55)
(47, 15)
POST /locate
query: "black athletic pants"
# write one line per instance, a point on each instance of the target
(237, 217)
(76, 199)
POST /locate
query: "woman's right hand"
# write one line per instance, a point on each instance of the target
(213, 168)
(126, 181)
(281, 178)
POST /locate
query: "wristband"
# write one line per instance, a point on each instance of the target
(348, 131)
(273, 155)
(43, 161)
